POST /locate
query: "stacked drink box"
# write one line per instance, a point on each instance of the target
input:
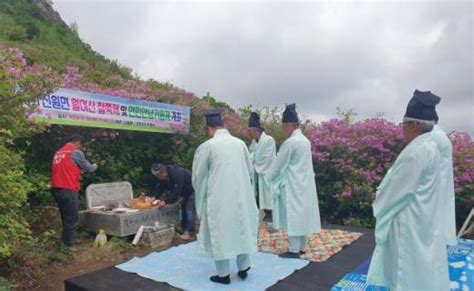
(160, 236)
(108, 208)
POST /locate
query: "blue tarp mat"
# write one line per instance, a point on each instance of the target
(181, 267)
(461, 270)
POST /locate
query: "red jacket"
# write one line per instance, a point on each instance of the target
(65, 173)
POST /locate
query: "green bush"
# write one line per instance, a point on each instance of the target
(18, 84)
(17, 33)
(13, 193)
(121, 156)
(32, 30)
(5, 285)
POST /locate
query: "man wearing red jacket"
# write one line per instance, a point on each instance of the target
(68, 164)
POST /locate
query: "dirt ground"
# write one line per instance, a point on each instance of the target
(79, 260)
(85, 259)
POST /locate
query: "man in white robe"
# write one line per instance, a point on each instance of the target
(295, 200)
(222, 180)
(447, 182)
(262, 153)
(410, 252)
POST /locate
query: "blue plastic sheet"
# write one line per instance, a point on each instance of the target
(181, 267)
(461, 271)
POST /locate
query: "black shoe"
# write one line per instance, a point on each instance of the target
(222, 280)
(289, 255)
(243, 274)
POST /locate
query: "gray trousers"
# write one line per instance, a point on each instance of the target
(297, 244)
(222, 266)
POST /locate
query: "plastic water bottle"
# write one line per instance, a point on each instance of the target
(100, 239)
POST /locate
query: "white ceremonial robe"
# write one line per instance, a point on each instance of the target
(295, 200)
(225, 203)
(447, 183)
(410, 252)
(262, 154)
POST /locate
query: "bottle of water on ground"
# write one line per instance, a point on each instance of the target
(100, 239)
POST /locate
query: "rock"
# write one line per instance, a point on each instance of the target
(48, 12)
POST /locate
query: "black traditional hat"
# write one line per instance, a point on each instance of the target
(423, 106)
(290, 115)
(214, 117)
(254, 120)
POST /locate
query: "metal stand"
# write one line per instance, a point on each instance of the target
(463, 231)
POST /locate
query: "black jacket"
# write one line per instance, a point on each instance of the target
(179, 184)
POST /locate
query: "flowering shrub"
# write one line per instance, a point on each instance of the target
(350, 160)
(19, 83)
(463, 164)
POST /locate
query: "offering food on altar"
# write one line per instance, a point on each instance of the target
(141, 203)
(111, 206)
(145, 202)
(158, 203)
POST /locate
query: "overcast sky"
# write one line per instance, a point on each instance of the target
(365, 56)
